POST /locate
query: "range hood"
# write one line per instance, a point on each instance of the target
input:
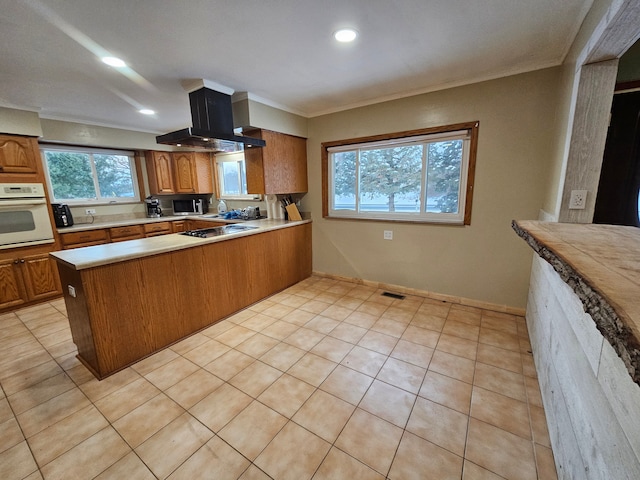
(212, 118)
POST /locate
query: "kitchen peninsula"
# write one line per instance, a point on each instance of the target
(130, 299)
(583, 316)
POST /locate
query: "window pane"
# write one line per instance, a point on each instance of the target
(70, 174)
(344, 181)
(443, 176)
(231, 178)
(243, 177)
(115, 178)
(390, 179)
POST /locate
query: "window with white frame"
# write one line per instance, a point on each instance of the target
(232, 177)
(81, 175)
(417, 176)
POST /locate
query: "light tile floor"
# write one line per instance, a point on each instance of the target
(326, 380)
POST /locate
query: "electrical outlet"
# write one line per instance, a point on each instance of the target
(388, 234)
(90, 211)
(578, 200)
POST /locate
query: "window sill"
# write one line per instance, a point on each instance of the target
(241, 197)
(452, 222)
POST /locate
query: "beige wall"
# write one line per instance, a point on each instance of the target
(19, 122)
(484, 261)
(247, 112)
(96, 136)
(557, 166)
(629, 68)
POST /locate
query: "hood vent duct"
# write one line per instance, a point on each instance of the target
(212, 117)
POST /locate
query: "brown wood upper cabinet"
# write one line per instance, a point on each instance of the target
(192, 172)
(160, 172)
(18, 154)
(280, 167)
(179, 172)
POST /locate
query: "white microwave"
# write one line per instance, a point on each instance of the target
(24, 215)
(189, 207)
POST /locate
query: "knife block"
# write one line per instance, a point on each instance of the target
(293, 212)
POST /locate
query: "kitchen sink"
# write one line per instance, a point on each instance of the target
(237, 218)
(218, 231)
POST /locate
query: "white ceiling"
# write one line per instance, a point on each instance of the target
(280, 51)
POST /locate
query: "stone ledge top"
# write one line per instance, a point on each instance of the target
(601, 263)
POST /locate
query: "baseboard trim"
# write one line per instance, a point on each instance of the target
(469, 302)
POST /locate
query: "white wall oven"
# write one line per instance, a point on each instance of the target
(24, 215)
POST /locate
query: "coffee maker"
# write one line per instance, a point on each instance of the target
(153, 207)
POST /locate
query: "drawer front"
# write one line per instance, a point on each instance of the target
(84, 237)
(157, 227)
(128, 231)
(197, 224)
(124, 239)
(178, 226)
(83, 244)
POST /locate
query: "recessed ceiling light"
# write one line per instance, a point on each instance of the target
(114, 62)
(345, 35)
(147, 111)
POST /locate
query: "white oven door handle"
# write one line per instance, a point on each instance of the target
(19, 203)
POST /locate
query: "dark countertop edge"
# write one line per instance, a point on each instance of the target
(607, 321)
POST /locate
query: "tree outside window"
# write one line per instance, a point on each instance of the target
(421, 177)
(77, 175)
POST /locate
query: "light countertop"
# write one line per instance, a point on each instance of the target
(81, 227)
(601, 263)
(97, 255)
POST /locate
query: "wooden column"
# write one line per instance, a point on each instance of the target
(596, 84)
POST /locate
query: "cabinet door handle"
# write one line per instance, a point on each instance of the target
(16, 261)
(22, 260)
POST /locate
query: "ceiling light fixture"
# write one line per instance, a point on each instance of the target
(114, 62)
(345, 35)
(147, 111)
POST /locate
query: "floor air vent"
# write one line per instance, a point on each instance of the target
(393, 295)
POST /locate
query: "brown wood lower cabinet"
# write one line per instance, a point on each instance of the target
(28, 278)
(197, 224)
(84, 238)
(179, 226)
(157, 228)
(117, 316)
(130, 232)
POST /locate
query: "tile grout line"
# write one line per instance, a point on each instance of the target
(316, 388)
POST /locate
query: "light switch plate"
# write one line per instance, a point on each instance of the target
(388, 234)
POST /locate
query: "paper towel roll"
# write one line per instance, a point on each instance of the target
(273, 208)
